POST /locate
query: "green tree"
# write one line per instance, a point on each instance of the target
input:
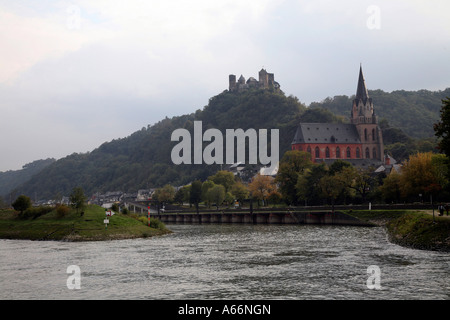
(332, 187)
(206, 186)
(307, 186)
(22, 203)
(239, 191)
(291, 165)
(442, 128)
(360, 180)
(195, 195)
(216, 195)
(391, 189)
(224, 178)
(165, 194)
(77, 198)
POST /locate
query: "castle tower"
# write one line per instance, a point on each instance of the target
(366, 122)
(263, 78)
(232, 82)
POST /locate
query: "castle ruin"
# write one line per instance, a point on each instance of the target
(266, 81)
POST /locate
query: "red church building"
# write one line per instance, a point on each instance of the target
(359, 142)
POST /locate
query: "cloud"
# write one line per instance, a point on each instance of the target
(76, 73)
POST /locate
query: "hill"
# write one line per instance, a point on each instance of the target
(143, 159)
(12, 179)
(412, 112)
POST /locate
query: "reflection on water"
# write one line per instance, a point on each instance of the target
(226, 262)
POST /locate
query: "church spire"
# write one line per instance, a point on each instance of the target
(361, 91)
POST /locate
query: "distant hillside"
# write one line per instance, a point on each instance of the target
(143, 160)
(12, 179)
(413, 112)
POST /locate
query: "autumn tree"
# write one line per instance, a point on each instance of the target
(419, 176)
(261, 187)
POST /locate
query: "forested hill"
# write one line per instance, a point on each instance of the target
(12, 179)
(413, 112)
(143, 159)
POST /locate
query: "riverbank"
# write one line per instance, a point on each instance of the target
(409, 228)
(76, 227)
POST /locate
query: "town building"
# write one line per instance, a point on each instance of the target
(359, 142)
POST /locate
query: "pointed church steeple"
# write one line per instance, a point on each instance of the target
(361, 91)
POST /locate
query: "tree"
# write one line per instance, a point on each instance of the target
(195, 195)
(291, 165)
(216, 195)
(239, 191)
(224, 178)
(77, 198)
(22, 203)
(307, 186)
(331, 186)
(391, 190)
(165, 194)
(360, 180)
(261, 187)
(206, 186)
(419, 177)
(179, 196)
(442, 128)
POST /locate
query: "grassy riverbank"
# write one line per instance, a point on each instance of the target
(409, 228)
(74, 227)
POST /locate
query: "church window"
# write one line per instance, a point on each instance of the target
(373, 135)
(365, 134)
(374, 153)
(349, 155)
(367, 153)
(309, 149)
(358, 155)
(327, 152)
(338, 152)
(317, 152)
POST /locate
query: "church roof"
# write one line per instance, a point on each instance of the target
(326, 133)
(361, 90)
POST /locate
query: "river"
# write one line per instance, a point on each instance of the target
(227, 262)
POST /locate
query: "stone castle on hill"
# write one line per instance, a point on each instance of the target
(266, 81)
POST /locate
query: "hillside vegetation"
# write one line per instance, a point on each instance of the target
(143, 159)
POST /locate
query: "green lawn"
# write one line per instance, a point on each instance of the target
(74, 227)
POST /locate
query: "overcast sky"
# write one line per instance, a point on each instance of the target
(75, 74)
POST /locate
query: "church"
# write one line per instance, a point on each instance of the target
(359, 142)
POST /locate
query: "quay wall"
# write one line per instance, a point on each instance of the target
(275, 217)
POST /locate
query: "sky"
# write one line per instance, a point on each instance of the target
(75, 74)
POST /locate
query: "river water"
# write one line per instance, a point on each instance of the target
(227, 262)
